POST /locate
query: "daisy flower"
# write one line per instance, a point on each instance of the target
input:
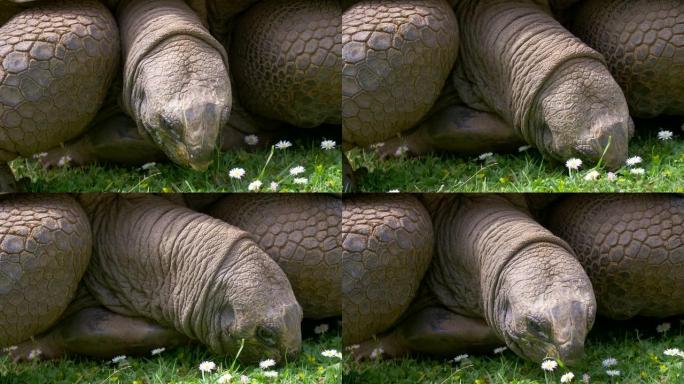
(283, 144)
(252, 140)
(254, 185)
(207, 366)
(328, 144)
(549, 365)
(568, 377)
(573, 164)
(236, 173)
(268, 363)
(665, 135)
(296, 170)
(634, 160)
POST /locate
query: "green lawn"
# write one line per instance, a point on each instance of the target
(322, 170)
(180, 366)
(636, 345)
(663, 165)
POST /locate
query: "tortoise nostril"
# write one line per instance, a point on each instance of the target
(266, 335)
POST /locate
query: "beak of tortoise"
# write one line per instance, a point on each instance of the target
(571, 323)
(197, 131)
(607, 142)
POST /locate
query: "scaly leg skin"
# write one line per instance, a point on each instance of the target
(8, 182)
(101, 333)
(457, 129)
(115, 140)
(435, 331)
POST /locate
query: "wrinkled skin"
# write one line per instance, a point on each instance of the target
(286, 59)
(190, 273)
(69, 65)
(45, 246)
(176, 84)
(643, 43)
(631, 248)
(361, 258)
(554, 91)
(302, 234)
(493, 262)
(397, 57)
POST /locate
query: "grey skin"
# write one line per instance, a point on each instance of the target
(181, 99)
(45, 247)
(361, 257)
(551, 90)
(52, 67)
(631, 248)
(497, 277)
(161, 274)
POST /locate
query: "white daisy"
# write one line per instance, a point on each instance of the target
(268, 363)
(377, 353)
(321, 329)
(328, 144)
(353, 347)
(147, 166)
(524, 148)
(332, 353)
(586, 378)
(609, 362)
(549, 365)
(401, 150)
(393, 191)
(283, 144)
(634, 160)
(118, 359)
(236, 173)
(254, 185)
(611, 176)
(274, 186)
(460, 358)
(573, 163)
(64, 160)
(35, 353)
(664, 327)
(300, 180)
(592, 175)
(252, 140)
(40, 155)
(637, 171)
(296, 170)
(500, 350)
(207, 366)
(568, 377)
(225, 378)
(613, 372)
(271, 374)
(485, 156)
(665, 135)
(157, 351)
(244, 379)
(673, 352)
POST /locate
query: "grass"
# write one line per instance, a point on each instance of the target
(179, 366)
(323, 171)
(663, 164)
(639, 354)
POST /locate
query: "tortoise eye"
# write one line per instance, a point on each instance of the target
(266, 335)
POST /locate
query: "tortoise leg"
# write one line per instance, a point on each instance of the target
(114, 140)
(8, 183)
(459, 129)
(98, 332)
(432, 330)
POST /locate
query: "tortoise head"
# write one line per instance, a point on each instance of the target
(582, 113)
(546, 306)
(182, 100)
(252, 309)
